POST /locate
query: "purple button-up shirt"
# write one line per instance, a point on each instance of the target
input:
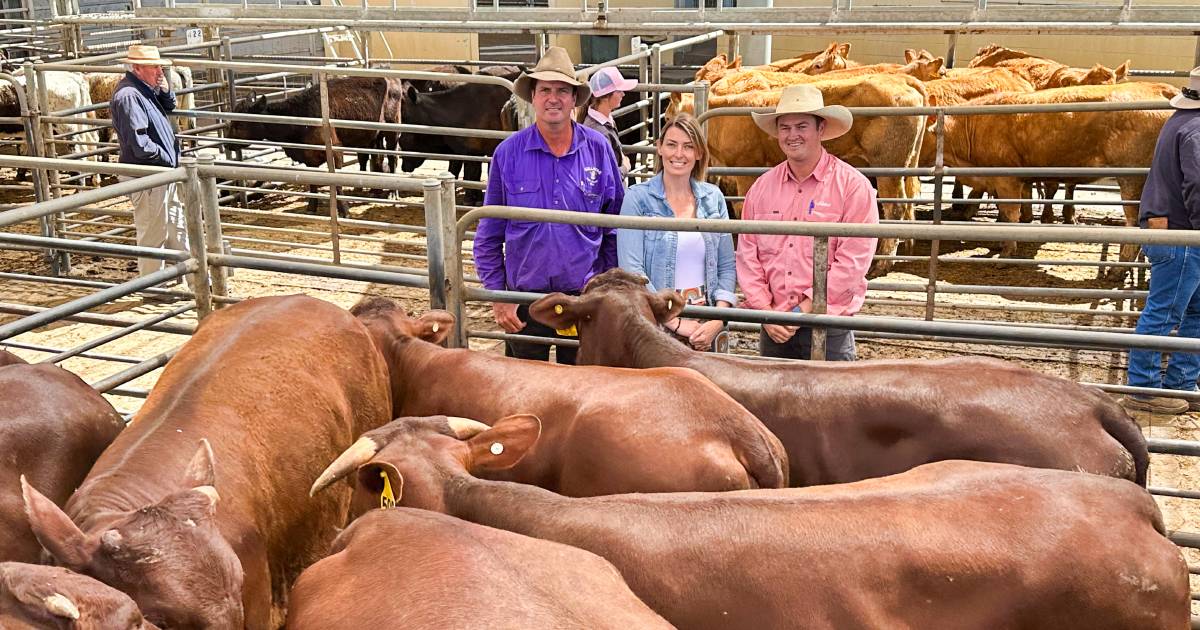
(546, 257)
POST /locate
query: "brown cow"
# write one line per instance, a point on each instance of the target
(1079, 139)
(34, 597)
(8, 358)
(371, 99)
(593, 416)
(271, 388)
(433, 571)
(842, 422)
(1046, 73)
(53, 426)
(947, 545)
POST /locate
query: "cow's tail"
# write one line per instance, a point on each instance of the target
(761, 453)
(1125, 430)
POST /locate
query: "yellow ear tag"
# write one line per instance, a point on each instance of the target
(565, 332)
(386, 498)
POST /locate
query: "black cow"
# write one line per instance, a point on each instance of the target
(373, 99)
(466, 105)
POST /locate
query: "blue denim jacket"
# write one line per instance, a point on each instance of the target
(652, 252)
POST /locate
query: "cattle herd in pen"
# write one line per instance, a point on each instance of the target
(299, 465)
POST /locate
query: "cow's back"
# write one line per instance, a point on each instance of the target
(441, 572)
(278, 386)
(1080, 139)
(53, 426)
(968, 544)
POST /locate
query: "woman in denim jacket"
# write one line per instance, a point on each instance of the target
(700, 265)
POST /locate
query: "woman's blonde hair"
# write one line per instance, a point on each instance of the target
(687, 124)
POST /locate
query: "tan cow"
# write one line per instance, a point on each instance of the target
(881, 141)
(834, 57)
(1082, 139)
(1046, 73)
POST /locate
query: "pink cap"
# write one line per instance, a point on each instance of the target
(609, 80)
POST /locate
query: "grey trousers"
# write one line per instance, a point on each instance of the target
(839, 345)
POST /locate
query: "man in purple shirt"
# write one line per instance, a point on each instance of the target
(556, 164)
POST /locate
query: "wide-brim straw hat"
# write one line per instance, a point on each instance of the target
(555, 65)
(806, 99)
(1189, 97)
(145, 56)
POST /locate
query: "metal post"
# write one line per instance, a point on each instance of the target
(935, 245)
(212, 227)
(735, 46)
(656, 77)
(35, 103)
(232, 152)
(195, 232)
(331, 163)
(51, 149)
(951, 46)
(543, 43)
(700, 102)
(452, 261)
(820, 298)
(33, 133)
(643, 78)
(435, 243)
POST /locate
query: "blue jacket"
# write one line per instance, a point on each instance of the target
(652, 252)
(139, 115)
(1173, 186)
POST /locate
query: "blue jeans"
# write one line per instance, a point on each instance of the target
(1174, 302)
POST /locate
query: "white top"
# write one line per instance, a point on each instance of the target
(689, 260)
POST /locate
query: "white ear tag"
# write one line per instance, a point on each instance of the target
(670, 304)
(497, 448)
(435, 326)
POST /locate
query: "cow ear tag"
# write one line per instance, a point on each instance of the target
(435, 327)
(670, 304)
(566, 332)
(558, 309)
(497, 448)
(386, 498)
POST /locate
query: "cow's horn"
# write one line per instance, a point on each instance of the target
(465, 428)
(358, 454)
(59, 606)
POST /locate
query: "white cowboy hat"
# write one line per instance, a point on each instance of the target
(806, 99)
(1189, 97)
(144, 56)
(555, 65)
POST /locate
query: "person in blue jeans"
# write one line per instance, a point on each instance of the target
(1171, 201)
(700, 265)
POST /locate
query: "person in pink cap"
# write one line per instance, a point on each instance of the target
(608, 88)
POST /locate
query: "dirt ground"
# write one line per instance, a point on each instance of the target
(1080, 365)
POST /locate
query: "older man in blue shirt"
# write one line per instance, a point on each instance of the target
(556, 164)
(1171, 201)
(139, 107)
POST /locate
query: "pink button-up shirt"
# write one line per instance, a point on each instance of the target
(775, 271)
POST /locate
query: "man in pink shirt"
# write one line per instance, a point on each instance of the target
(776, 272)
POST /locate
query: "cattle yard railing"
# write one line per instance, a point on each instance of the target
(206, 263)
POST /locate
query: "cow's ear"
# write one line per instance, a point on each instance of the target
(381, 483)
(503, 445)
(435, 326)
(937, 65)
(666, 305)
(202, 470)
(844, 49)
(55, 530)
(909, 55)
(1120, 72)
(410, 91)
(557, 310)
(195, 504)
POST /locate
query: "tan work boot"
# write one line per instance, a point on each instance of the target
(1155, 404)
